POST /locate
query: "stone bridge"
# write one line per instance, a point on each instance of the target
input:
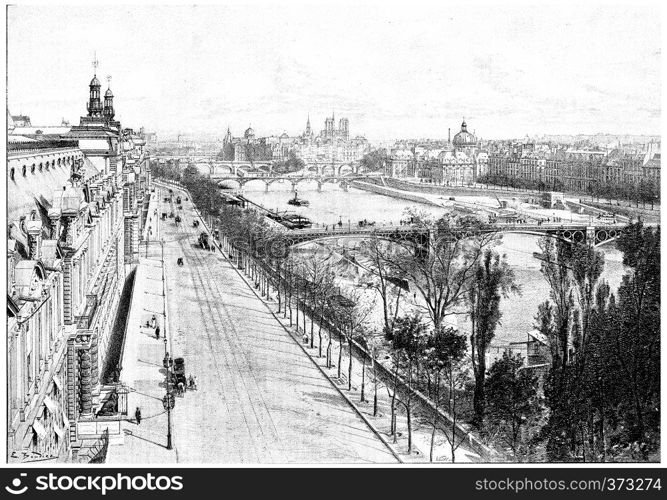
(217, 168)
(343, 181)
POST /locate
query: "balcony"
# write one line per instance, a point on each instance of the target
(85, 321)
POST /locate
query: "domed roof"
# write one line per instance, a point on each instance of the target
(108, 93)
(94, 82)
(464, 138)
(249, 132)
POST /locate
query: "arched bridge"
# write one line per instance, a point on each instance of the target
(419, 238)
(344, 181)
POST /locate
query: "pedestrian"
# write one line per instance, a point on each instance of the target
(157, 332)
(137, 415)
(153, 321)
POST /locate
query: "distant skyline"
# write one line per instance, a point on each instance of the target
(396, 71)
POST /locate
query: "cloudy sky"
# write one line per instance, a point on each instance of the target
(399, 71)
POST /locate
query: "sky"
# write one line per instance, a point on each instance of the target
(398, 71)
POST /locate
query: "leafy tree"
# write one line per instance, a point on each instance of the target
(493, 280)
(443, 353)
(512, 399)
(374, 161)
(407, 338)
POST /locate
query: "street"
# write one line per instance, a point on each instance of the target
(260, 399)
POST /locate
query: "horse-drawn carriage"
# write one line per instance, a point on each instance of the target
(177, 220)
(195, 223)
(178, 374)
(179, 261)
(203, 241)
(164, 215)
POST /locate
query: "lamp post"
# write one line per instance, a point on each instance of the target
(168, 400)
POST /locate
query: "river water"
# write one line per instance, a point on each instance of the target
(333, 204)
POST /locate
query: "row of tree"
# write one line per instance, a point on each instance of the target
(644, 192)
(603, 386)
(601, 395)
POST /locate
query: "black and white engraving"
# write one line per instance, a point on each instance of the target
(333, 234)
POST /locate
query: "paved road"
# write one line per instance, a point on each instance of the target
(260, 399)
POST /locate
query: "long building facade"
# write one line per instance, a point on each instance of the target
(77, 200)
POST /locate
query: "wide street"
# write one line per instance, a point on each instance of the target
(260, 398)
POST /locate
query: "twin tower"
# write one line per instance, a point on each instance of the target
(95, 107)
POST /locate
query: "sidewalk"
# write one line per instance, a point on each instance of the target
(142, 357)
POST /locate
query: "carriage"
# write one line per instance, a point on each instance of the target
(203, 241)
(178, 372)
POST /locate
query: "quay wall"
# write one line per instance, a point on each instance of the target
(396, 193)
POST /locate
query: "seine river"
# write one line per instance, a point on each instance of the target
(333, 204)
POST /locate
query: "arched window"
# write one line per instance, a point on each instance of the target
(12, 172)
(24, 170)
(58, 161)
(32, 169)
(41, 167)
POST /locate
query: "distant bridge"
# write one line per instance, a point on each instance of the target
(343, 181)
(217, 168)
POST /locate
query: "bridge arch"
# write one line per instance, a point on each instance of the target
(345, 169)
(312, 168)
(299, 180)
(231, 183)
(328, 170)
(223, 169)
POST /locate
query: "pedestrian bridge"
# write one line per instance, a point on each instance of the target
(595, 236)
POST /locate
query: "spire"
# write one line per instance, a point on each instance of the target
(95, 63)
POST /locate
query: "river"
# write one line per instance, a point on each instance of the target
(333, 204)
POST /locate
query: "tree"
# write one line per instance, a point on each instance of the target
(512, 399)
(380, 254)
(442, 353)
(374, 161)
(293, 164)
(442, 267)
(493, 280)
(637, 339)
(406, 338)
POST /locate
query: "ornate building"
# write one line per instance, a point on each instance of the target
(332, 145)
(456, 162)
(71, 196)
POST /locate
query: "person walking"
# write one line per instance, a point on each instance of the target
(157, 332)
(153, 321)
(137, 415)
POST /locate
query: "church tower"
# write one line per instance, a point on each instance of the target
(309, 131)
(94, 102)
(108, 102)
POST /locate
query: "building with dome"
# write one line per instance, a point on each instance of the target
(331, 145)
(76, 201)
(456, 161)
(464, 141)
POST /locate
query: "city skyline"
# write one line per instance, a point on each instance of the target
(512, 71)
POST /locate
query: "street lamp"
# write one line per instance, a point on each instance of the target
(168, 400)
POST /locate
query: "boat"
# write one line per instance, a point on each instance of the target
(295, 221)
(297, 202)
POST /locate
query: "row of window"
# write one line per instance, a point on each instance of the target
(55, 163)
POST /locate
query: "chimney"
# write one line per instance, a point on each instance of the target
(449, 135)
(34, 230)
